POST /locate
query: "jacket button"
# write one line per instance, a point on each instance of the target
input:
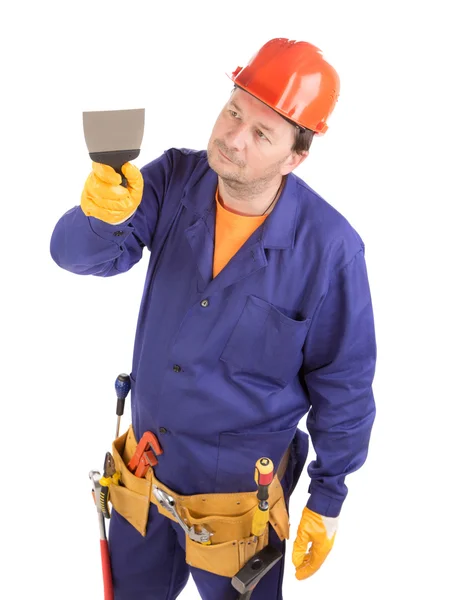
(177, 368)
(117, 233)
(204, 303)
(163, 430)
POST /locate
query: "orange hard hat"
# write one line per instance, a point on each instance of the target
(293, 79)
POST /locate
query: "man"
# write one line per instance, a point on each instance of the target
(256, 310)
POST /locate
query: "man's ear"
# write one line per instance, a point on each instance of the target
(293, 161)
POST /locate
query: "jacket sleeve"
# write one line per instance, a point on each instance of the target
(89, 246)
(339, 367)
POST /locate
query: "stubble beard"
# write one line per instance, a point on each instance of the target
(235, 181)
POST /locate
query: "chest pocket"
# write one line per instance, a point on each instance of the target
(266, 342)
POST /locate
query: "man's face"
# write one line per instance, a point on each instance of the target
(250, 143)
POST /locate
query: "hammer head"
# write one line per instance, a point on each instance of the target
(249, 576)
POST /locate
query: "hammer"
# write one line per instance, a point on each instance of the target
(249, 576)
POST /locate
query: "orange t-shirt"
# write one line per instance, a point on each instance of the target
(232, 230)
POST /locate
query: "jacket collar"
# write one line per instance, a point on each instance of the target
(277, 232)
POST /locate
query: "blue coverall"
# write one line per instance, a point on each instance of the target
(224, 369)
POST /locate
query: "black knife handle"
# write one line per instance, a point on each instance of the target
(124, 180)
(115, 159)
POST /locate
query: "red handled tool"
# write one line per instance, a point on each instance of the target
(144, 457)
(106, 563)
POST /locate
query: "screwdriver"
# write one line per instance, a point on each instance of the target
(110, 476)
(263, 475)
(122, 386)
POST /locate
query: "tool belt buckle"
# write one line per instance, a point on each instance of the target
(144, 457)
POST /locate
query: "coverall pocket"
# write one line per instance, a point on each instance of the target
(239, 451)
(266, 342)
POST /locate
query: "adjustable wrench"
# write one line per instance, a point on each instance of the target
(168, 502)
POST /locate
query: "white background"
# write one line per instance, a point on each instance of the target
(387, 163)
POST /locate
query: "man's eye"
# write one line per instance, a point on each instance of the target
(261, 134)
(233, 113)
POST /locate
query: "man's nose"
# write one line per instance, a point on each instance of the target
(237, 137)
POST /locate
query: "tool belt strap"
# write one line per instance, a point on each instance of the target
(228, 515)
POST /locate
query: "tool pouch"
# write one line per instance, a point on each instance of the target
(227, 516)
(131, 498)
(232, 544)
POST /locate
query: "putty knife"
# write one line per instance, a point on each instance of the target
(113, 137)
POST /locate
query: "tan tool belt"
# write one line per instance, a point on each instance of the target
(228, 516)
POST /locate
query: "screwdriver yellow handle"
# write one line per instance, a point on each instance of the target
(259, 521)
(263, 475)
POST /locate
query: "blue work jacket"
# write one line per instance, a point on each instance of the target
(224, 368)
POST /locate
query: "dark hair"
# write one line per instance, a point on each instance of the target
(303, 139)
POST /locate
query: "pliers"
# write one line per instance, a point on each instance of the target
(110, 477)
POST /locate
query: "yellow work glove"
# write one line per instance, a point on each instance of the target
(318, 530)
(104, 197)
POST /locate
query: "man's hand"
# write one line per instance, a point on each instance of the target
(104, 197)
(318, 530)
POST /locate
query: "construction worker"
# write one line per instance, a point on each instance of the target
(256, 311)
